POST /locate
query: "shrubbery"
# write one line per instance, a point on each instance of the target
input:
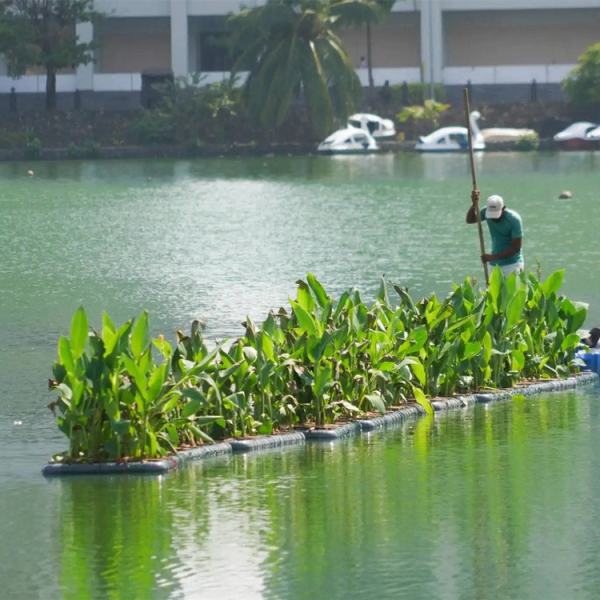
(316, 362)
(583, 84)
(190, 112)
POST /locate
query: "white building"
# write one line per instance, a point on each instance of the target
(500, 46)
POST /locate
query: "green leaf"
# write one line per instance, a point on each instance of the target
(553, 283)
(514, 309)
(422, 400)
(495, 286)
(472, 349)
(305, 321)
(139, 335)
(318, 290)
(419, 371)
(79, 333)
(266, 345)
(376, 401)
(156, 381)
(64, 354)
(570, 342)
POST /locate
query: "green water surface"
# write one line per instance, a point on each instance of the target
(490, 503)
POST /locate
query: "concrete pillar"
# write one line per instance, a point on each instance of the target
(437, 40)
(84, 74)
(425, 41)
(179, 38)
(432, 42)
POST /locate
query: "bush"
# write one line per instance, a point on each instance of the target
(320, 360)
(187, 112)
(583, 84)
(33, 148)
(154, 127)
(12, 139)
(89, 149)
(429, 111)
(528, 142)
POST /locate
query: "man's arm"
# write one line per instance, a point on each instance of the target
(472, 212)
(514, 247)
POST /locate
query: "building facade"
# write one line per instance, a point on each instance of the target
(500, 46)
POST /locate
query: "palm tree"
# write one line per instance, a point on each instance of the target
(363, 12)
(291, 51)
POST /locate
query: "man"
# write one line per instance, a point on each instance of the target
(506, 231)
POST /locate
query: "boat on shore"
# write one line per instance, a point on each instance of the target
(453, 139)
(376, 126)
(349, 140)
(577, 136)
(499, 135)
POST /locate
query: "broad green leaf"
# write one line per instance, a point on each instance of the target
(139, 335)
(553, 283)
(419, 371)
(317, 289)
(472, 349)
(487, 347)
(266, 345)
(517, 360)
(514, 308)
(305, 321)
(163, 346)
(79, 333)
(376, 401)
(65, 355)
(495, 286)
(304, 299)
(422, 399)
(570, 342)
(156, 381)
(323, 379)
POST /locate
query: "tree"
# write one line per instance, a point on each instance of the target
(363, 12)
(291, 50)
(583, 83)
(41, 33)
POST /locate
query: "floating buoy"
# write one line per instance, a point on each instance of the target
(30, 173)
(565, 194)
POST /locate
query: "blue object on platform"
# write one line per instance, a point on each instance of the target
(591, 359)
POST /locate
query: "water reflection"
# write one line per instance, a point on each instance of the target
(470, 505)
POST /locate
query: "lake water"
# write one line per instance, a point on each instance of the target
(498, 502)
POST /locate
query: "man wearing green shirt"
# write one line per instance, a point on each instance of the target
(506, 230)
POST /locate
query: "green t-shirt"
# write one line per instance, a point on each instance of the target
(503, 232)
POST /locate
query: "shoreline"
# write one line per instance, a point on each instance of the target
(169, 151)
(343, 430)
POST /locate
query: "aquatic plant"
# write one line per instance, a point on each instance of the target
(314, 363)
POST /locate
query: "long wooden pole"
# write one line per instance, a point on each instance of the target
(474, 178)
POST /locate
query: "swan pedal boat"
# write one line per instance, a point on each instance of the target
(349, 140)
(452, 139)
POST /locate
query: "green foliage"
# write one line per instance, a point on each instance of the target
(42, 33)
(189, 112)
(33, 148)
(528, 142)
(13, 139)
(430, 111)
(417, 93)
(292, 53)
(89, 149)
(583, 84)
(316, 362)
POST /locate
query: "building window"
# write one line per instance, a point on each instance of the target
(214, 52)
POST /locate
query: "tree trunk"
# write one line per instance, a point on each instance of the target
(50, 89)
(369, 60)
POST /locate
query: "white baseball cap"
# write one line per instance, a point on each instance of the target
(494, 207)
